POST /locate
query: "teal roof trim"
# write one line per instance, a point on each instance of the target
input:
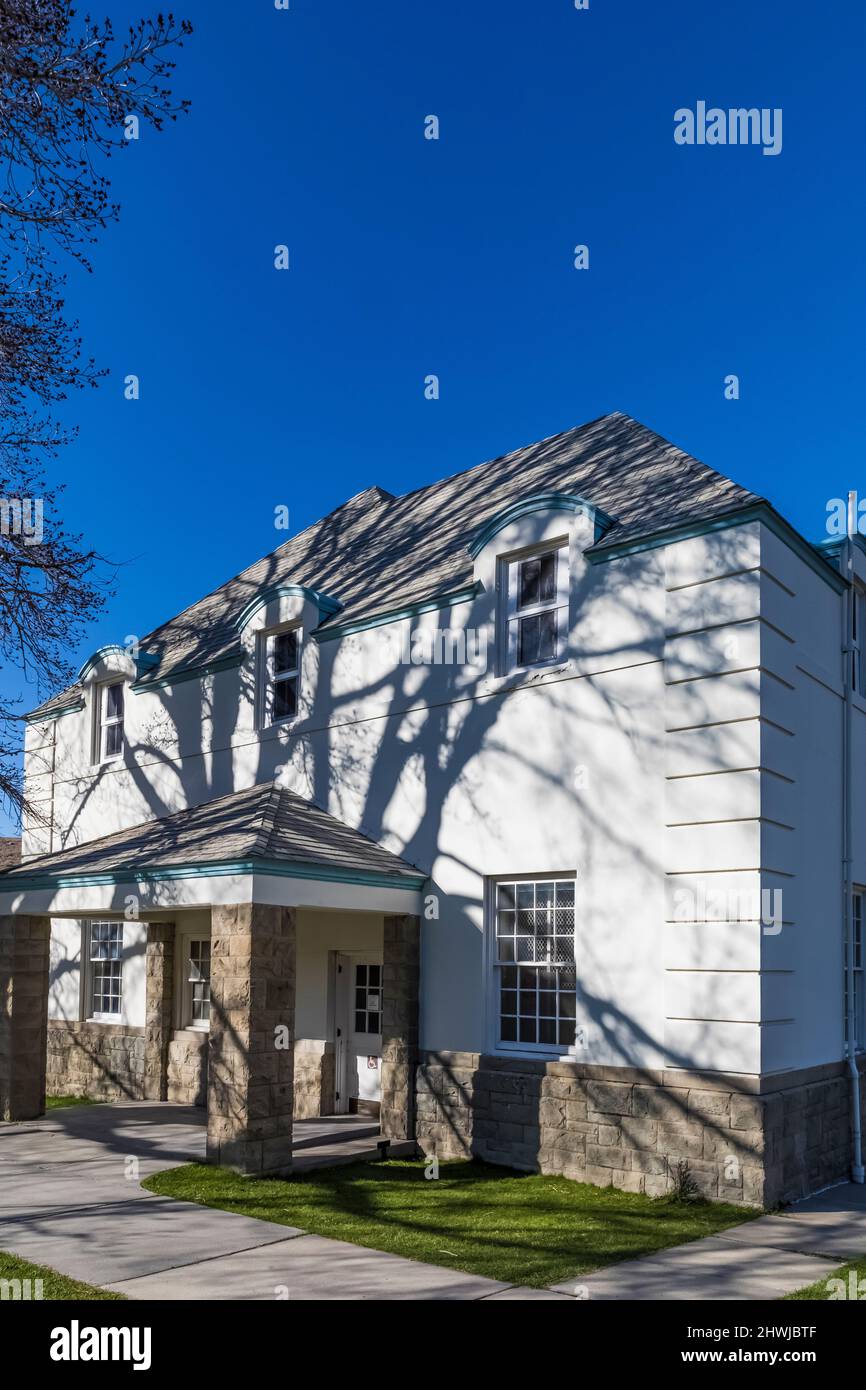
(219, 869)
(144, 661)
(38, 717)
(430, 605)
(540, 502)
(188, 673)
(326, 603)
(761, 512)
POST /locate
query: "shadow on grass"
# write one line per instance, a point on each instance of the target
(520, 1228)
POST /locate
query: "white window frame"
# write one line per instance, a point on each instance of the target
(103, 721)
(371, 993)
(514, 614)
(188, 983)
(493, 967)
(271, 677)
(115, 939)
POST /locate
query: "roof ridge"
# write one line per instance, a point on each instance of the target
(382, 496)
(669, 445)
(268, 815)
(501, 458)
(290, 540)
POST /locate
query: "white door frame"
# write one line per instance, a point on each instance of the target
(342, 1036)
(344, 1031)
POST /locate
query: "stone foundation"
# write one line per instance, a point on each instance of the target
(632, 1129)
(105, 1062)
(187, 1067)
(100, 1060)
(315, 1078)
(314, 1073)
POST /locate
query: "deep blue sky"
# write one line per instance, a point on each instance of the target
(409, 256)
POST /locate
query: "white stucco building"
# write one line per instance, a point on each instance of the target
(523, 808)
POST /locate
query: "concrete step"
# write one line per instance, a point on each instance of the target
(349, 1151)
(330, 1133)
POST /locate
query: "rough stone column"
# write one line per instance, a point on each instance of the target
(400, 977)
(24, 953)
(252, 1037)
(159, 986)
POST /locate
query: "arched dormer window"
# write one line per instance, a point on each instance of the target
(105, 676)
(273, 627)
(530, 554)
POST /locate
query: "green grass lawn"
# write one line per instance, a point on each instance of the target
(821, 1293)
(54, 1286)
(519, 1228)
(61, 1102)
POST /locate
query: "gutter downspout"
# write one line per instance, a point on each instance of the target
(857, 1173)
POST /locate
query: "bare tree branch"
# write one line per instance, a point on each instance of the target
(68, 89)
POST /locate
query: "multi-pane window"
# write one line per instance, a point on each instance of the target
(106, 967)
(368, 998)
(537, 608)
(859, 1038)
(535, 962)
(198, 983)
(282, 654)
(111, 721)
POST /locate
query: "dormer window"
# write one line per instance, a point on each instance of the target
(282, 654)
(537, 608)
(109, 734)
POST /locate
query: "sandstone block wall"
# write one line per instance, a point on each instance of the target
(187, 1067)
(631, 1129)
(100, 1060)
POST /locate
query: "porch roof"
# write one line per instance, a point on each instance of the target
(264, 830)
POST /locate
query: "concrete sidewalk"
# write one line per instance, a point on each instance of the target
(763, 1259)
(70, 1197)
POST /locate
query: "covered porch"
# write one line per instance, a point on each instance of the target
(269, 970)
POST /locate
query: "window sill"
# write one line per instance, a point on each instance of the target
(527, 675)
(115, 1019)
(537, 1053)
(280, 727)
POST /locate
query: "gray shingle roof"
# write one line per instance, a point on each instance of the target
(377, 553)
(263, 823)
